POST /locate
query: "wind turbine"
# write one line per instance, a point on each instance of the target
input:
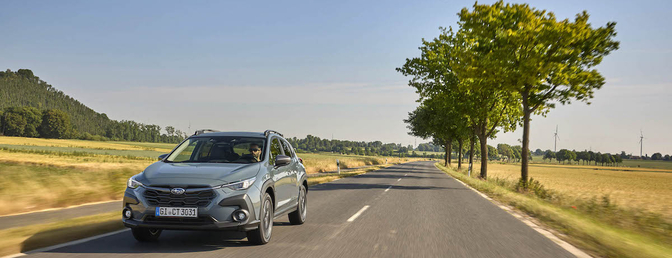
(556, 138)
(641, 143)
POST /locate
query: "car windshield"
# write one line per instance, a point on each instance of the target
(219, 150)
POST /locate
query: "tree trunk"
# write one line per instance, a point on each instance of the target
(449, 152)
(484, 154)
(459, 155)
(471, 150)
(526, 140)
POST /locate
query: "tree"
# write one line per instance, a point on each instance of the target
(538, 152)
(543, 60)
(14, 124)
(657, 156)
(561, 156)
(549, 155)
(55, 124)
(505, 150)
(492, 153)
(667, 157)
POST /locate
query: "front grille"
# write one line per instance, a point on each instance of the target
(179, 221)
(188, 199)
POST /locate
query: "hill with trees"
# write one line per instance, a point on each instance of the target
(30, 107)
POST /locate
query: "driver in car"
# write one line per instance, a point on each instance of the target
(255, 153)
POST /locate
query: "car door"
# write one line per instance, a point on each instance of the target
(293, 171)
(280, 177)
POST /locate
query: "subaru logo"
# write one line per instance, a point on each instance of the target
(177, 191)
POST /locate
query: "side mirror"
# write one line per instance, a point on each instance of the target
(163, 156)
(282, 160)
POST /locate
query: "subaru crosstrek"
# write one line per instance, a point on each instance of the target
(218, 181)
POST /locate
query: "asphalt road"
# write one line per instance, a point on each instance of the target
(58, 214)
(425, 213)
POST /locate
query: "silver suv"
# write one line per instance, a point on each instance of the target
(218, 181)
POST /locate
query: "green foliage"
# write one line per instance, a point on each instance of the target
(376, 148)
(535, 187)
(492, 153)
(14, 124)
(532, 55)
(23, 95)
(55, 124)
(657, 156)
(549, 155)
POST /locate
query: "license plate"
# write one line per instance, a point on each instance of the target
(176, 212)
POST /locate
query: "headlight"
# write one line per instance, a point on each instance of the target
(132, 183)
(239, 185)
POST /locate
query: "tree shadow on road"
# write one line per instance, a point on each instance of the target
(169, 242)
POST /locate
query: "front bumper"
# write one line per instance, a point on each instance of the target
(215, 216)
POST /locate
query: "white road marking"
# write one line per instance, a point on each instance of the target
(354, 217)
(398, 179)
(388, 189)
(405, 174)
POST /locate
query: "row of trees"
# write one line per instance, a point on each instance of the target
(32, 122)
(504, 63)
(583, 156)
(375, 148)
(55, 123)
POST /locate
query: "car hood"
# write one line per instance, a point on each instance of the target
(183, 174)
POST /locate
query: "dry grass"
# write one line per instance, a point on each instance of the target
(27, 188)
(85, 144)
(323, 162)
(632, 188)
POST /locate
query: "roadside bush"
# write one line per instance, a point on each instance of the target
(535, 187)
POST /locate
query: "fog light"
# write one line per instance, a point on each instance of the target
(240, 215)
(127, 213)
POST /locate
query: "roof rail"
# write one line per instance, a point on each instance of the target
(267, 132)
(205, 131)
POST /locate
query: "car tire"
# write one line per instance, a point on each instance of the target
(298, 216)
(262, 235)
(146, 234)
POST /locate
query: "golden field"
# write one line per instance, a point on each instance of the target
(638, 188)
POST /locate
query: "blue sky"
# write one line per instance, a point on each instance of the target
(314, 67)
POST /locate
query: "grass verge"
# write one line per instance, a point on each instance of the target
(586, 232)
(23, 239)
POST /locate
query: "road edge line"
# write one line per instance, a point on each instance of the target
(528, 221)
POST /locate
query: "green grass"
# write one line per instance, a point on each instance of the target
(600, 228)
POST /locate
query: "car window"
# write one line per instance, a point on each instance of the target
(225, 149)
(276, 149)
(184, 151)
(286, 147)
